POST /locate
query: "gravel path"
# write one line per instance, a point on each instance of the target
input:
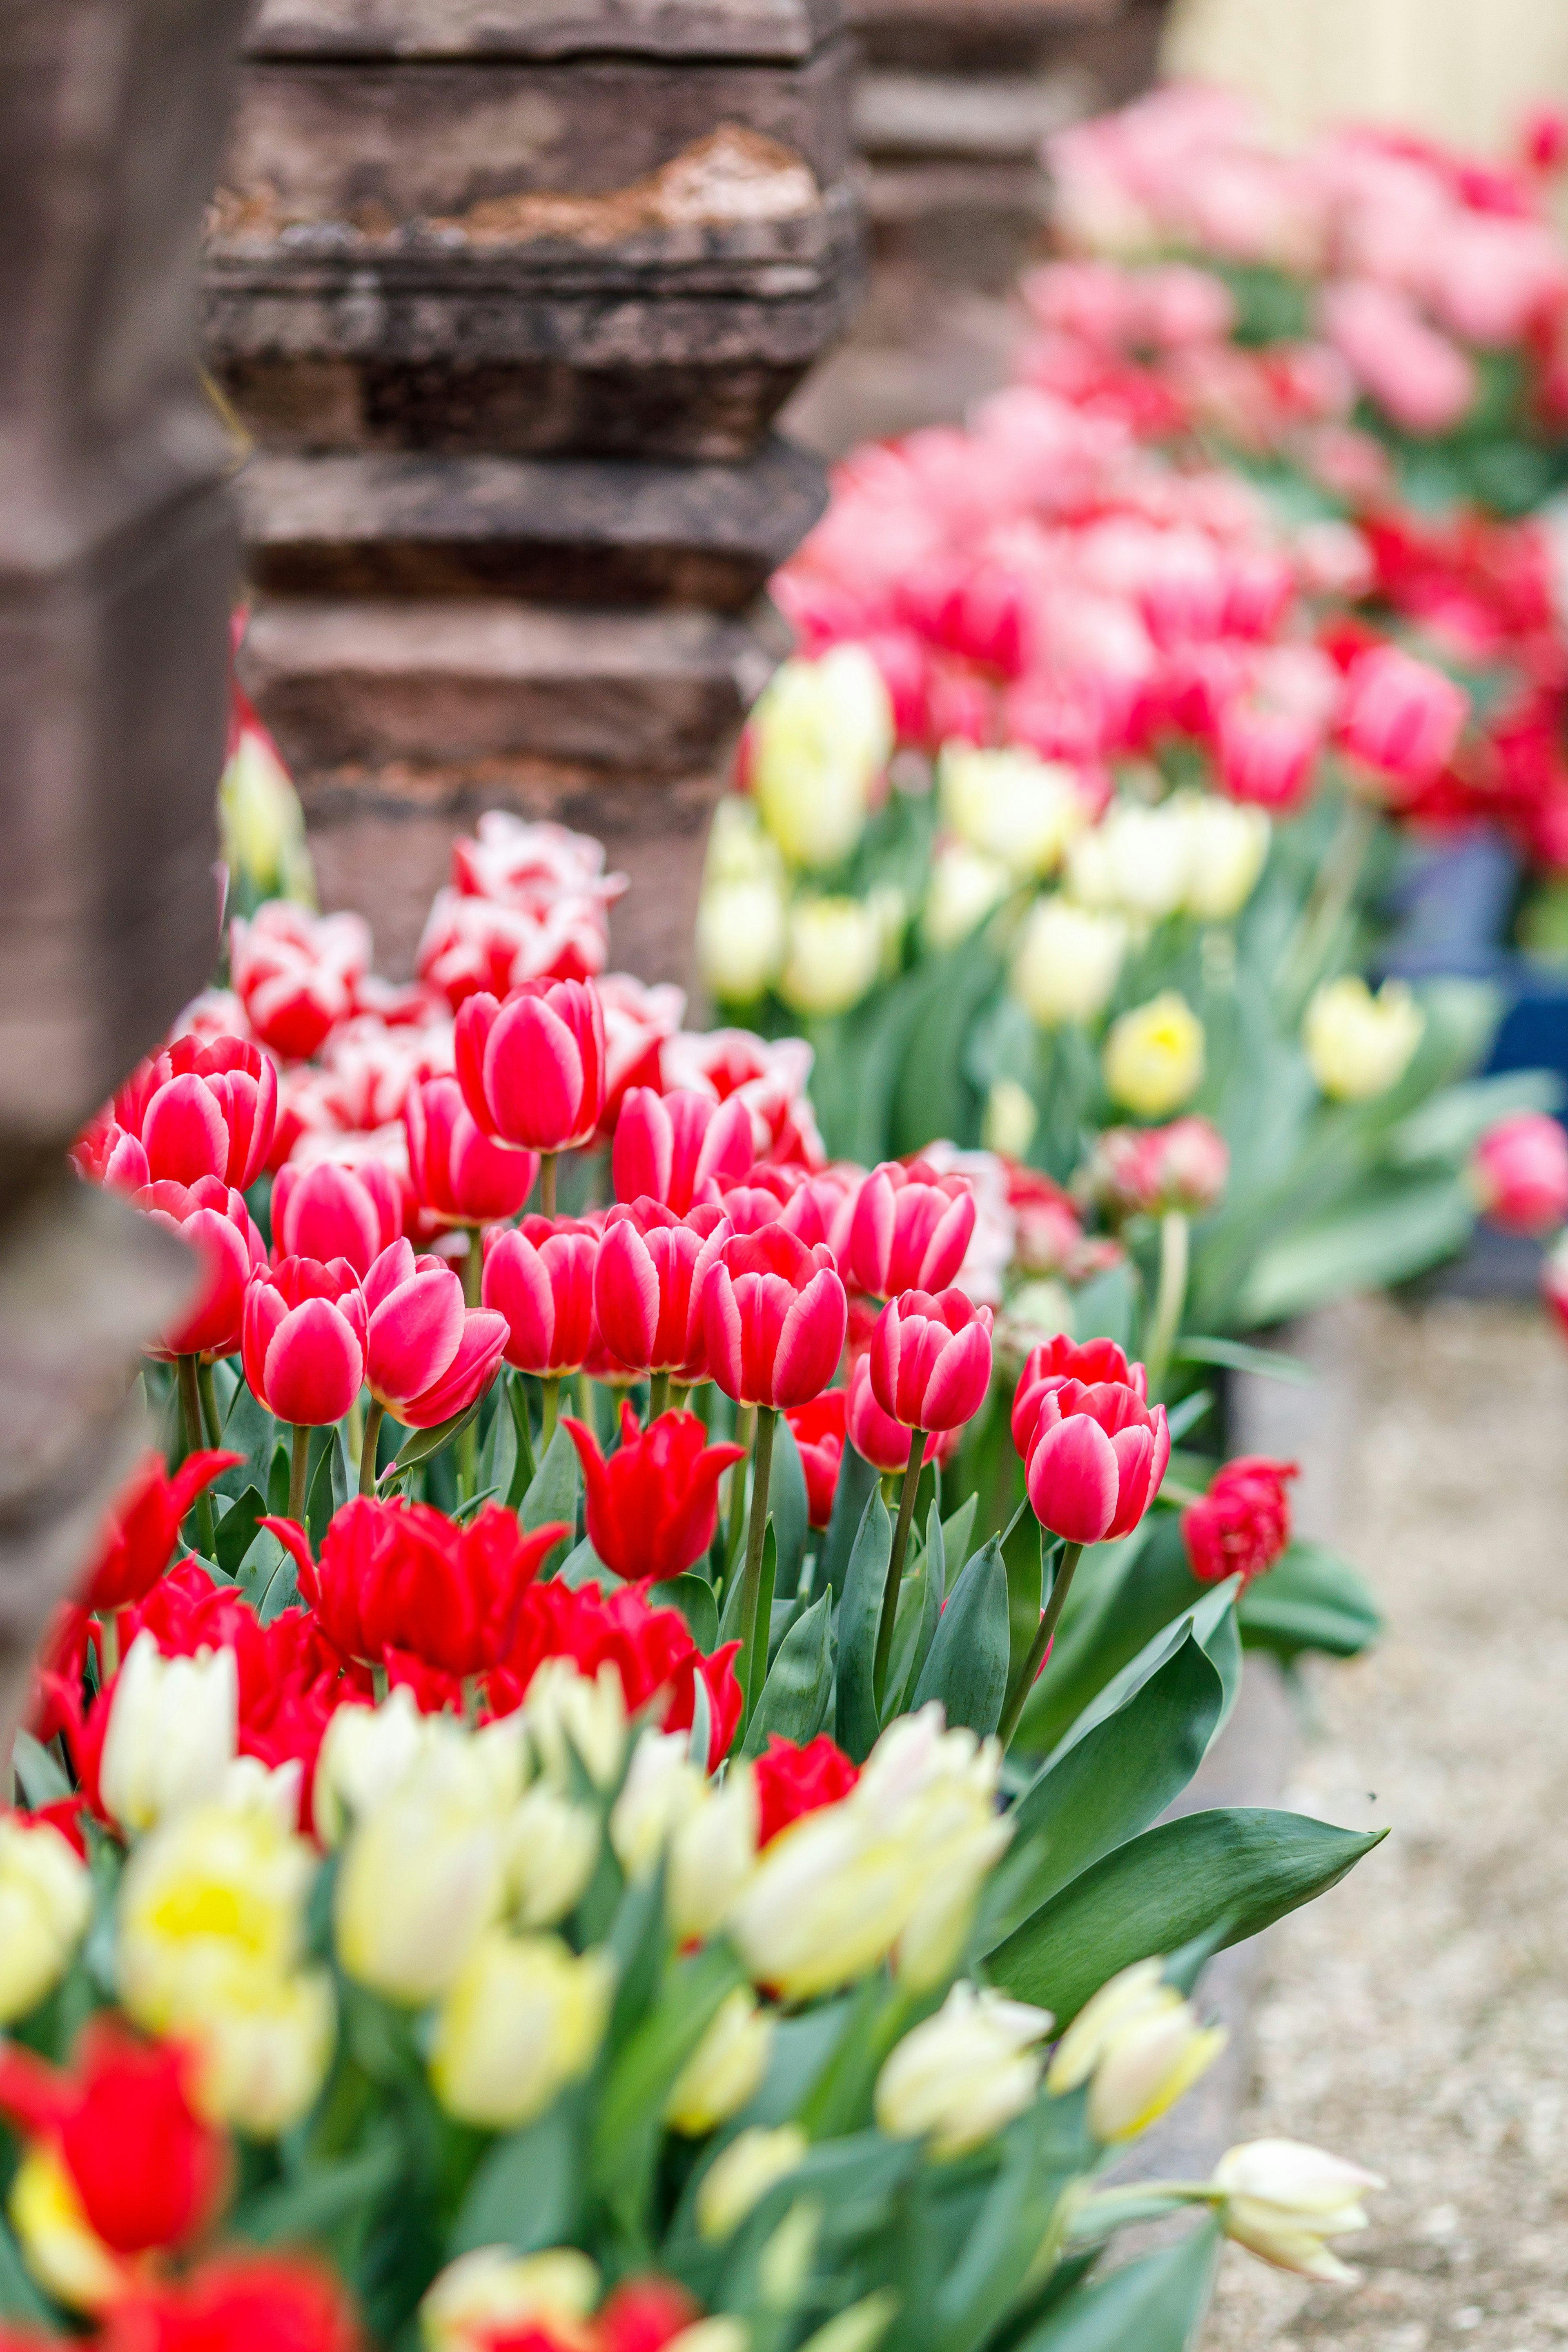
(1417, 2019)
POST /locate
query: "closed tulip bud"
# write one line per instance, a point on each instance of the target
(725, 2069)
(965, 885)
(818, 741)
(1242, 1526)
(663, 1788)
(298, 974)
(202, 1108)
(493, 2293)
(532, 1070)
(524, 2017)
(1010, 805)
(1282, 2200)
(262, 2046)
(679, 1148)
(45, 1902)
(1227, 846)
(427, 1356)
(1518, 1173)
(774, 1318)
(420, 1880)
(552, 1850)
(1141, 2043)
(1358, 1044)
(1068, 962)
(1010, 1118)
(458, 1174)
(712, 1856)
(833, 956)
(1094, 1459)
(573, 1715)
(910, 1230)
(261, 823)
(930, 1359)
(365, 1754)
(218, 1226)
(736, 2181)
(303, 1340)
(1145, 1170)
(172, 1728)
(1154, 1055)
(652, 1508)
(1401, 716)
(1137, 860)
(960, 2078)
(538, 1276)
(876, 1435)
(647, 1285)
(742, 934)
(329, 1212)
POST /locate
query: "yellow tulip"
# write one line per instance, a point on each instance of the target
(1358, 1044)
(726, 2067)
(418, 1884)
(821, 734)
(172, 1729)
(740, 2178)
(965, 885)
(1283, 2199)
(1068, 962)
(742, 934)
(961, 2077)
(45, 1902)
(1011, 806)
(1155, 1056)
(524, 2017)
(834, 953)
(58, 2243)
(1142, 2046)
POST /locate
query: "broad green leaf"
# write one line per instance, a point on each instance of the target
(583, 1566)
(1395, 1230)
(268, 1578)
(41, 1777)
(424, 1445)
(236, 1529)
(931, 1589)
(527, 2188)
(328, 1486)
(798, 1695)
(967, 1666)
(1166, 1887)
(1123, 1596)
(787, 1508)
(1235, 1356)
(1448, 1125)
(553, 1493)
(859, 1614)
(248, 1428)
(1042, 2152)
(957, 1532)
(1156, 2304)
(499, 1457)
(857, 1479)
(642, 2077)
(694, 1597)
(516, 1403)
(1311, 1600)
(307, 2209)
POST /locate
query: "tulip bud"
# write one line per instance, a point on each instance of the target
(264, 2044)
(303, 1341)
(725, 2069)
(712, 1853)
(1401, 716)
(1010, 1118)
(961, 2077)
(1227, 846)
(1137, 861)
(570, 1715)
(648, 1282)
(218, 1226)
(1155, 1055)
(1011, 806)
(740, 2178)
(524, 2017)
(172, 1728)
(653, 1507)
(910, 1229)
(742, 934)
(492, 2291)
(964, 887)
(365, 1754)
(552, 1849)
(327, 1211)
(45, 1902)
(539, 1275)
(1242, 1526)
(427, 1357)
(679, 1148)
(459, 1176)
(1518, 1173)
(833, 956)
(1283, 2199)
(420, 1881)
(1358, 1044)
(1068, 962)
(774, 1317)
(930, 1359)
(532, 1070)
(1094, 1459)
(818, 741)
(1142, 2044)
(261, 823)
(202, 1108)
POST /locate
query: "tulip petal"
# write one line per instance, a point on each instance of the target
(414, 1336)
(1072, 1479)
(811, 1341)
(314, 1366)
(533, 1075)
(184, 1133)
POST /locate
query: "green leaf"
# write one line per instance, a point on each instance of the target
(424, 1445)
(305, 2211)
(516, 1403)
(527, 2188)
(857, 1482)
(19, 2298)
(497, 1463)
(236, 1529)
(1311, 1600)
(1235, 1356)
(1153, 2305)
(1449, 1125)
(694, 1597)
(1105, 1307)
(859, 1613)
(966, 1668)
(799, 1692)
(787, 1509)
(642, 2077)
(552, 1492)
(1123, 1595)
(957, 1532)
(248, 1428)
(1392, 1231)
(329, 1487)
(40, 1776)
(1166, 1887)
(931, 1585)
(268, 1577)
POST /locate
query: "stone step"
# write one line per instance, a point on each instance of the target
(563, 530)
(687, 29)
(975, 35)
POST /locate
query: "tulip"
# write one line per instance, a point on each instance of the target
(493, 2294)
(653, 1507)
(552, 1851)
(774, 1317)
(1149, 1171)
(818, 1208)
(725, 2069)
(539, 1275)
(261, 826)
(792, 1781)
(369, 1753)
(1241, 1526)
(1401, 716)
(931, 1359)
(578, 1719)
(458, 1175)
(45, 1902)
(638, 1019)
(1011, 806)
(876, 1435)
(420, 1880)
(1282, 2200)
(911, 1229)
(1009, 1120)
(1064, 1359)
(524, 2017)
(961, 2077)
(739, 2178)
(103, 1153)
(218, 1226)
(818, 741)
(742, 932)
(1141, 2043)
(647, 1285)
(1266, 762)
(1095, 1460)
(1227, 847)
(679, 1148)
(142, 1526)
(427, 1356)
(202, 1108)
(1068, 962)
(964, 887)
(1357, 1044)
(298, 974)
(532, 1069)
(818, 1429)
(1518, 1173)
(1154, 1055)
(303, 1341)
(834, 953)
(402, 1577)
(172, 1728)
(1137, 860)
(264, 2049)
(327, 1211)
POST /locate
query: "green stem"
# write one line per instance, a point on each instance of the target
(743, 1434)
(1170, 1297)
(547, 1183)
(678, 1396)
(190, 1415)
(108, 1642)
(550, 1389)
(207, 1389)
(1050, 1617)
(752, 1587)
(895, 1564)
(298, 1465)
(369, 1447)
(658, 1394)
(1314, 937)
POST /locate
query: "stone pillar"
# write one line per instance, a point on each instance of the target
(508, 298)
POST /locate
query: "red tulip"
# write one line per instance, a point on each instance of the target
(792, 1781)
(680, 1147)
(532, 1069)
(641, 2315)
(647, 1285)
(1063, 1359)
(540, 1276)
(930, 1359)
(1243, 1523)
(749, 1207)
(427, 1356)
(1520, 1174)
(329, 1210)
(653, 1507)
(818, 1429)
(822, 1209)
(298, 974)
(304, 1340)
(147, 2171)
(650, 1649)
(202, 1108)
(1095, 1460)
(219, 1228)
(103, 1153)
(774, 1316)
(911, 1229)
(458, 1175)
(876, 1437)
(237, 2303)
(142, 1526)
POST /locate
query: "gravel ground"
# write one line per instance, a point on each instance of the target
(1417, 2019)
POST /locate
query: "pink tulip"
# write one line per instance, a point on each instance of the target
(1266, 756)
(1062, 1359)
(1095, 1460)
(647, 1285)
(680, 1147)
(427, 1356)
(773, 1317)
(911, 1229)
(1401, 716)
(876, 1437)
(458, 1175)
(103, 1153)
(1145, 1170)
(749, 1207)
(532, 1069)
(930, 1359)
(298, 974)
(327, 1211)
(213, 1219)
(199, 1109)
(1425, 382)
(1520, 1174)
(822, 1209)
(538, 1276)
(303, 1343)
